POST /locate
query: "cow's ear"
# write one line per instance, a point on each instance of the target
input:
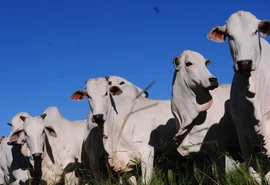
(78, 95)
(50, 130)
(176, 63)
(217, 34)
(16, 137)
(264, 28)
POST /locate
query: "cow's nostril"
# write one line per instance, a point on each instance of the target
(37, 156)
(212, 80)
(98, 118)
(244, 64)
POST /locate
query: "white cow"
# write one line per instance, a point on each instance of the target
(17, 139)
(130, 138)
(204, 123)
(55, 140)
(13, 164)
(117, 84)
(250, 100)
(93, 145)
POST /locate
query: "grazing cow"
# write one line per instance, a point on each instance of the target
(134, 127)
(204, 123)
(14, 167)
(56, 141)
(250, 100)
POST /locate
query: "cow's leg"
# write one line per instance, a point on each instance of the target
(147, 163)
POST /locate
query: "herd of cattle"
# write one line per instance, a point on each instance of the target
(199, 126)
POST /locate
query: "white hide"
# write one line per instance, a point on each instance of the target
(16, 125)
(249, 88)
(65, 139)
(203, 125)
(130, 142)
(93, 136)
(13, 164)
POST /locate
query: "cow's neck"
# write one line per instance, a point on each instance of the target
(187, 103)
(259, 87)
(112, 127)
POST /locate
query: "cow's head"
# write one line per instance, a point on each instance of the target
(16, 123)
(35, 130)
(100, 99)
(242, 30)
(117, 83)
(191, 66)
(97, 92)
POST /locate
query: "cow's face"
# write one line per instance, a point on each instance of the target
(191, 66)
(16, 123)
(117, 81)
(35, 130)
(242, 30)
(98, 95)
(98, 98)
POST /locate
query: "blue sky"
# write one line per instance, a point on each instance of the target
(49, 48)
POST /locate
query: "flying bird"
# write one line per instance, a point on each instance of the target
(156, 9)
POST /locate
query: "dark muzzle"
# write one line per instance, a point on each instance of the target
(244, 65)
(37, 156)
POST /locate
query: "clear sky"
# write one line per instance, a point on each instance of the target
(49, 48)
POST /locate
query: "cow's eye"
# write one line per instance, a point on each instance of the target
(106, 94)
(104, 136)
(122, 83)
(110, 83)
(188, 64)
(43, 132)
(25, 134)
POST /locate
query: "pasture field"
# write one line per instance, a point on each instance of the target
(235, 177)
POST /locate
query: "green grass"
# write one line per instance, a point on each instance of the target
(237, 176)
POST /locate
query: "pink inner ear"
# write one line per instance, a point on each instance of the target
(78, 95)
(14, 137)
(216, 34)
(51, 132)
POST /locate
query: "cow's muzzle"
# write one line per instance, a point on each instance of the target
(213, 83)
(244, 65)
(98, 118)
(37, 156)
